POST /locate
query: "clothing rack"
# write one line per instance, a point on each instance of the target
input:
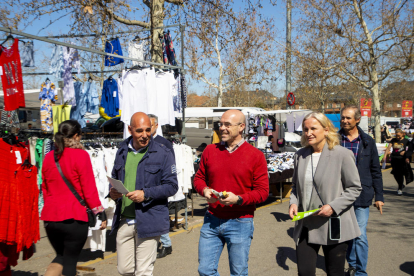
(102, 34)
(85, 49)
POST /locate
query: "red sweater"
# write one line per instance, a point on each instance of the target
(60, 203)
(243, 172)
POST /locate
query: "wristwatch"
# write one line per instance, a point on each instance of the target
(240, 200)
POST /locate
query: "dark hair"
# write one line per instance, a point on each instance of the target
(67, 129)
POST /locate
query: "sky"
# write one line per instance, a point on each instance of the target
(38, 27)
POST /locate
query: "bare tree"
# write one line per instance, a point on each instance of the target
(369, 40)
(110, 14)
(224, 43)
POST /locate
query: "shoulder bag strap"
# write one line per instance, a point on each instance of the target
(70, 186)
(313, 181)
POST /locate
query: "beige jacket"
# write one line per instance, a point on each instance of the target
(338, 183)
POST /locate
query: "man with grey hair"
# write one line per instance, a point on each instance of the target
(166, 248)
(366, 157)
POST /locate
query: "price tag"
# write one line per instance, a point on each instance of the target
(1, 70)
(114, 94)
(18, 157)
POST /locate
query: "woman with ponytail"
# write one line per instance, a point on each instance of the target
(66, 220)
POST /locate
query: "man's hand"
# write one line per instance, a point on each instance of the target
(407, 160)
(208, 194)
(113, 193)
(103, 225)
(402, 153)
(379, 205)
(136, 196)
(326, 211)
(293, 210)
(230, 200)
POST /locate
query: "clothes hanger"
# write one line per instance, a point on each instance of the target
(10, 36)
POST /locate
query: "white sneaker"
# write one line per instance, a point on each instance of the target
(399, 192)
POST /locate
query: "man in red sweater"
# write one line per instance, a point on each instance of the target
(240, 170)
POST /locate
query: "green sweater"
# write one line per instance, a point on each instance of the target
(131, 167)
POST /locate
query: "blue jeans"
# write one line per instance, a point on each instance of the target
(237, 233)
(165, 240)
(357, 255)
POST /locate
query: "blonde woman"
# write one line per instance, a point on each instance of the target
(325, 178)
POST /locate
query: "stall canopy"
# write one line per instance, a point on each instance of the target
(281, 114)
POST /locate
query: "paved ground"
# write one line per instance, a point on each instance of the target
(391, 239)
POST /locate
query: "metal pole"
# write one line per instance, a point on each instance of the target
(83, 48)
(288, 49)
(102, 34)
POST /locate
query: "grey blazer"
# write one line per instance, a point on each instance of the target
(338, 183)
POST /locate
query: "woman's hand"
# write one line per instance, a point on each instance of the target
(293, 210)
(326, 211)
(103, 225)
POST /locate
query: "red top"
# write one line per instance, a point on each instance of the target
(11, 77)
(19, 194)
(243, 172)
(60, 203)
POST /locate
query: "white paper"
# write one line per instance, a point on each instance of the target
(383, 165)
(18, 157)
(118, 185)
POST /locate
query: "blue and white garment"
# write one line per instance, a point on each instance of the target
(56, 62)
(78, 111)
(71, 59)
(27, 54)
(183, 91)
(113, 47)
(9, 119)
(91, 97)
(47, 97)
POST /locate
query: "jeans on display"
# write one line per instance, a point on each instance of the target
(237, 233)
(357, 254)
(165, 240)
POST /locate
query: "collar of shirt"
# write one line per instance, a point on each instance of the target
(131, 147)
(358, 139)
(236, 147)
(155, 135)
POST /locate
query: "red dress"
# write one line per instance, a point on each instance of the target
(11, 77)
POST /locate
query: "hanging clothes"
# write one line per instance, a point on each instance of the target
(19, 218)
(163, 87)
(113, 47)
(176, 95)
(185, 169)
(57, 64)
(11, 77)
(184, 92)
(27, 54)
(136, 50)
(110, 99)
(9, 119)
(169, 48)
(78, 112)
(91, 97)
(71, 59)
(290, 122)
(60, 114)
(47, 97)
(164, 50)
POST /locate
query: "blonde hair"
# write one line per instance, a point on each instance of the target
(332, 138)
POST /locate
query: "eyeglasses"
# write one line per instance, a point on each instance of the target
(227, 125)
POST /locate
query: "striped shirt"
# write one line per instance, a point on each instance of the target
(352, 145)
(233, 149)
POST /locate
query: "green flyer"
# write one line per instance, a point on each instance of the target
(302, 215)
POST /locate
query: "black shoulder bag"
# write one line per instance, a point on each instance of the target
(91, 215)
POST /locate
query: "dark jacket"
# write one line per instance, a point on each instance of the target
(369, 171)
(165, 142)
(156, 175)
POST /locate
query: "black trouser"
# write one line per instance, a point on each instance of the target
(307, 254)
(398, 170)
(67, 238)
